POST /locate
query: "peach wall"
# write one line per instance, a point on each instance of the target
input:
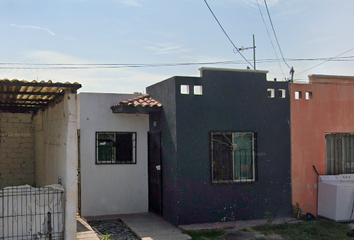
(331, 110)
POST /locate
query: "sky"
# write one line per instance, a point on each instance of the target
(110, 45)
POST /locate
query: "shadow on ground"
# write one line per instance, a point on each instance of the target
(82, 228)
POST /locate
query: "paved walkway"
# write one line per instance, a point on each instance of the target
(149, 226)
(236, 225)
(84, 230)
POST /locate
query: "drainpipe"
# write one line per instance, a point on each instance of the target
(314, 168)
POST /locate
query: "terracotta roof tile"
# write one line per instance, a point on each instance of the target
(143, 101)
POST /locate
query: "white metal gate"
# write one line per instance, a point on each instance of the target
(32, 213)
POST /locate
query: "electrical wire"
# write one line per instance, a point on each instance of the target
(275, 35)
(270, 39)
(228, 35)
(23, 65)
(325, 61)
(102, 66)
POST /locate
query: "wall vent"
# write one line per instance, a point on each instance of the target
(198, 90)
(298, 95)
(271, 92)
(282, 93)
(184, 89)
(308, 95)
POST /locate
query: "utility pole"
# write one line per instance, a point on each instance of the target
(292, 71)
(254, 51)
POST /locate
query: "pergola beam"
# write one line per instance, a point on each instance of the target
(39, 84)
(30, 93)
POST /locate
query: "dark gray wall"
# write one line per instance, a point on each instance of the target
(231, 101)
(166, 121)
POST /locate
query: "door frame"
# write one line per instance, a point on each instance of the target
(149, 174)
(78, 173)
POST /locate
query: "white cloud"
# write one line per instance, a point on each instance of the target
(132, 3)
(167, 48)
(34, 27)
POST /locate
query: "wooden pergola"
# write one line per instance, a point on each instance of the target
(28, 97)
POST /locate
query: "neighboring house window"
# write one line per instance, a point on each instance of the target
(232, 157)
(339, 153)
(115, 147)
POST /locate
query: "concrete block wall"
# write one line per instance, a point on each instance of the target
(56, 153)
(41, 150)
(16, 150)
(50, 144)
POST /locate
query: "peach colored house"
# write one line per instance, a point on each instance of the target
(322, 133)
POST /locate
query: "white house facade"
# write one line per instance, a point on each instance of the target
(112, 157)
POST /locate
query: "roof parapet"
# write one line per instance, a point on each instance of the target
(231, 70)
(334, 79)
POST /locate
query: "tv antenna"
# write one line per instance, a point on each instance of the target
(241, 49)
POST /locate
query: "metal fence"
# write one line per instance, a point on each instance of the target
(32, 213)
(339, 153)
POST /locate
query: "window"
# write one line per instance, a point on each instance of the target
(115, 147)
(297, 95)
(339, 153)
(271, 92)
(184, 89)
(308, 95)
(282, 93)
(198, 90)
(232, 157)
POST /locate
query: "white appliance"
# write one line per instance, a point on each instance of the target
(336, 197)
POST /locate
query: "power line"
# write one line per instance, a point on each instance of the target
(347, 58)
(265, 25)
(325, 61)
(227, 35)
(18, 65)
(79, 66)
(275, 35)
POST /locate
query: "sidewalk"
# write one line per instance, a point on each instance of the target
(149, 226)
(236, 225)
(84, 230)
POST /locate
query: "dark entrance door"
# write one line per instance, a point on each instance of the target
(155, 172)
